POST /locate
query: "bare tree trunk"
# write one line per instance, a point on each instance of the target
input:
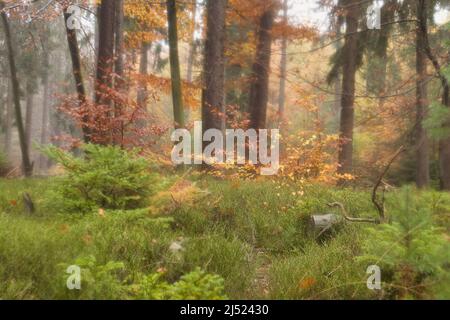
(43, 161)
(422, 141)
(157, 58)
(348, 89)
(337, 24)
(29, 115)
(283, 69)
(259, 91)
(177, 95)
(337, 94)
(143, 70)
(27, 165)
(192, 45)
(213, 99)
(77, 73)
(9, 120)
(119, 62)
(105, 59)
(3, 106)
(119, 83)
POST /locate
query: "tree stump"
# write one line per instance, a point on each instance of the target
(28, 202)
(321, 224)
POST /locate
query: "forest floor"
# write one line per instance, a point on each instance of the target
(253, 234)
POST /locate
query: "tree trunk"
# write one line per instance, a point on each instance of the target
(422, 141)
(9, 120)
(283, 68)
(259, 91)
(3, 106)
(143, 70)
(119, 83)
(43, 161)
(105, 59)
(192, 45)
(26, 163)
(157, 65)
(177, 95)
(337, 96)
(348, 89)
(77, 74)
(213, 100)
(29, 116)
(337, 24)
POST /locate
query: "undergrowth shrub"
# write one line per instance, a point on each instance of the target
(98, 281)
(414, 254)
(228, 257)
(196, 285)
(111, 281)
(106, 177)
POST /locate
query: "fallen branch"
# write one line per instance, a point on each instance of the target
(380, 206)
(10, 173)
(351, 219)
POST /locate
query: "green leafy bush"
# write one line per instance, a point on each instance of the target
(413, 254)
(112, 281)
(196, 285)
(106, 177)
(98, 281)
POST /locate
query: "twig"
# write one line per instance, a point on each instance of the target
(380, 206)
(351, 219)
(9, 174)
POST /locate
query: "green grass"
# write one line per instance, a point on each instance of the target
(252, 234)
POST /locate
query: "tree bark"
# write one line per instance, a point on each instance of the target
(3, 100)
(29, 115)
(348, 89)
(192, 45)
(43, 161)
(157, 58)
(72, 42)
(9, 119)
(105, 59)
(213, 96)
(119, 83)
(26, 163)
(143, 70)
(337, 24)
(259, 91)
(422, 141)
(177, 95)
(283, 69)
